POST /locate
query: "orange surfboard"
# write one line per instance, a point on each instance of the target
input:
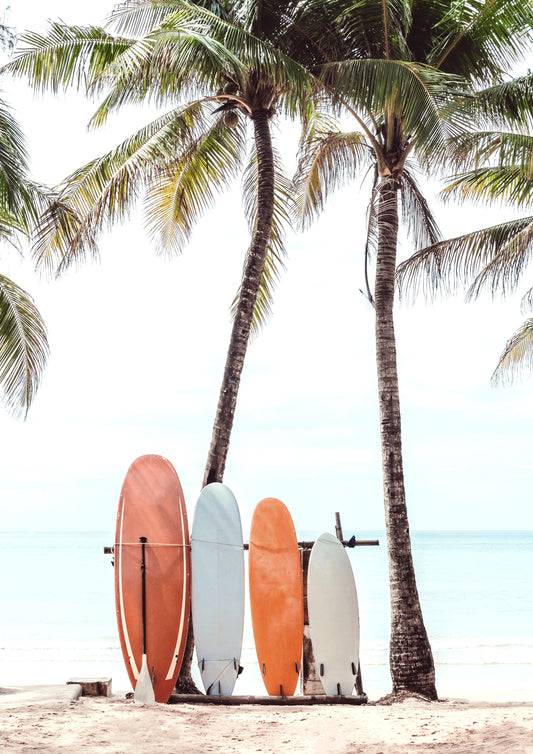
(152, 506)
(276, 596)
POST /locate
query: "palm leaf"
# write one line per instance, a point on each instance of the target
(192, 51)
(493, 147)
(105, 190)
(373, 29)
(137, 18)
(418, 219)
(172, 60)
(503, 272)
(189, 183)
(446, 265)
(504, 183)
(23, 347)
(507, 103)
(66, 56)
(13, 157)
(327, 161)
(526, 305)
(21, 199)
(517, 354)
(479, 40)
(413, 93)
(265, 58)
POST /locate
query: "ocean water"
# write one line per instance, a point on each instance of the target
(57, 614)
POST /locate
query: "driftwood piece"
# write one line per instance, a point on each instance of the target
(270, 700)
(93, 686)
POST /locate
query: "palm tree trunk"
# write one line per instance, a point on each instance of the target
(253, 271)
(411, 660)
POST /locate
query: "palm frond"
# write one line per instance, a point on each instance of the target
(479, 40)
(281, 221)
(13, 157)
(517, 355)
(66, 56)
(526, 304)
(327, 161)
(21, 199)
(193, 50)
(503, 272)
(373, 29)
(105, 190)
(372, 233)
(493, 148)
(23, 347)
(137, 18)
(448, 265)
(414, 93)
(504, 183)
(417, 216)
(33, 200)
(170, 60)
(190, 182)
(505, 104)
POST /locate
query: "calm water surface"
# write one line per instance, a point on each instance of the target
(57, 618)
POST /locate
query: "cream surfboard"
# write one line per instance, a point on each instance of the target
(333, 615)
(217, 564)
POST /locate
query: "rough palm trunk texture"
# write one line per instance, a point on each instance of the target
(253, 271)
(411, 660)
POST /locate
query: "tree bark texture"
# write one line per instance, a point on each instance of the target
(411, 660)
(253, 271)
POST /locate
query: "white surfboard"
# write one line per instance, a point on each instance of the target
(333, 615)
(217, 588)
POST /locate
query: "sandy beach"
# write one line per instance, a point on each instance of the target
(118, 725)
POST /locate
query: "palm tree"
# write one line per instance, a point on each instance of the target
(169, 48)
(233, 58)
(396, 68)
(496, 159)
(23, 338)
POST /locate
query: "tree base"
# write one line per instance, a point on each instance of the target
(397, 697)
(186, 686)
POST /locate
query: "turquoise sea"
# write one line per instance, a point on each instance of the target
(57, 616)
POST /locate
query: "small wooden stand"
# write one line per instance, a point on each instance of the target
(310, 683)
(93, 686)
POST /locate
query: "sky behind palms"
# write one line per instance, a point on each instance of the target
(138, 346)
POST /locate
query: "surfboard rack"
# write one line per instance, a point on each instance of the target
(310, 681)
(352, 542)
(354, 699)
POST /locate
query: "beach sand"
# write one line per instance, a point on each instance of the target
(117, 725)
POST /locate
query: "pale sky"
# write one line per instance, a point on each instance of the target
(138, 346)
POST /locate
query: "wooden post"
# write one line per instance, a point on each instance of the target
(310, 684)
(338, 527)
